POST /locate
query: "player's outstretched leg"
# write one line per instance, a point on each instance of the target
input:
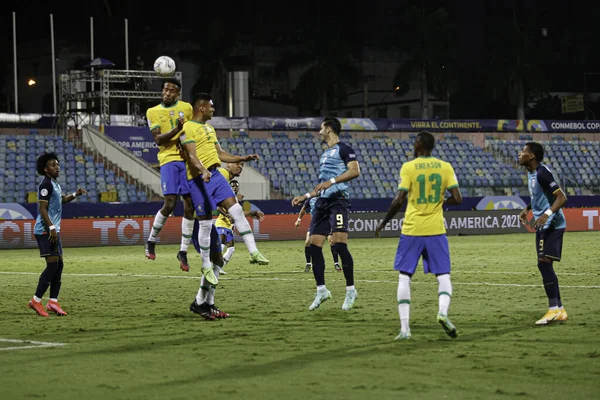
(444, 296)
(226, 258)
(157, 225)
(187, 228)
(243, 227)
(403, 296)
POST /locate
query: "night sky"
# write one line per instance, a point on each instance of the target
(558, 42)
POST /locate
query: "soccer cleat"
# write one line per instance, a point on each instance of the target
(550, 316)
(258, 258)
(203, 310)
(308, 267)
(562, 317)
(38, 308)
(218, 313)
(320, 298)
(403, 336)
(448, 326)
(54, 307)
(149, 248)
(337, 267)
(210, 276)
(222, 271)
(351, 296)
(183, 262)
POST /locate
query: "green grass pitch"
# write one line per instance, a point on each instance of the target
(129, 333)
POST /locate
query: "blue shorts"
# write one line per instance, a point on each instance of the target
(48, 249)
(207, 195)
(173, 178)
(329, 215)
(228, 233)
(549, 243)
(215, 242)
(434, 249)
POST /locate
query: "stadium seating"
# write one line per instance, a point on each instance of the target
(18, 155)
(574, 162)
(292, 164)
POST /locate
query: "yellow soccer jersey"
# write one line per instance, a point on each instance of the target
(166, 118)
(222, 221)
(205, 137)
(426, 180)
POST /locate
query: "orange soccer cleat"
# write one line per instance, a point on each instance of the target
(54, 307)
(38, 308)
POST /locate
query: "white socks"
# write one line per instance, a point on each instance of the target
(243, 227)
(159, 222)
(187, 228)
(210, 296)
(206, 293)
(444, 293)
(228, 254)
(204, 241)
(404, 302)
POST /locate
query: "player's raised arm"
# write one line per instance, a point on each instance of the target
(347, 155)
(231, 158)
(259, 215)
(301, 199)
(163, 139)
(70, 197)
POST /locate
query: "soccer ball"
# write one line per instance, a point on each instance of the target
(164, 66)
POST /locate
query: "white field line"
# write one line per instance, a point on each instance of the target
(298, 280)
(31, 344)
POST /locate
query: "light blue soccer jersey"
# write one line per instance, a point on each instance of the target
(333, 163)
(542, 187)
(50, 191)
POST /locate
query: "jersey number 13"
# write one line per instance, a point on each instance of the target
(430, 188)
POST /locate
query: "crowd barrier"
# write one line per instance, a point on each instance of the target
(134, 231)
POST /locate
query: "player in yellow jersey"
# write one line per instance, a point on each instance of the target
(424, 181)
(205, 298)
(204, 156)
(166, 121)
(224, 223)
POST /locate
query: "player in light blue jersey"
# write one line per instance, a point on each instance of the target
(308, 208)
(47, 233)
(547, 200)
(338, 166)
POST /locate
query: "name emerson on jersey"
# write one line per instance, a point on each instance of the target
(503, 221)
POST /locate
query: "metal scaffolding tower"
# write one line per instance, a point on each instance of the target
(81, 90)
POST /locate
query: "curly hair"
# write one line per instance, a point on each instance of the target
(42, 161)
